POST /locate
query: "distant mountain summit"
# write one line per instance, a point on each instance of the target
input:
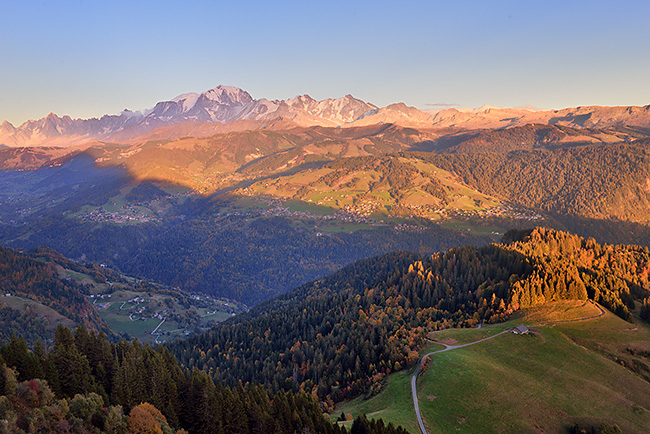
(339, 111)
(228, 105)
(221, 104)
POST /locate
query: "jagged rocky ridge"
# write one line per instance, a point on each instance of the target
(228, 104)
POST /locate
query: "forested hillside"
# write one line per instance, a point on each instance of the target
(338, 337)
(246, 256)
(604, 181)
(41, 289)
(55, 299)
(538, 136)
(84, 384)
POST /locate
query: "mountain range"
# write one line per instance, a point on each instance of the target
(227, 108)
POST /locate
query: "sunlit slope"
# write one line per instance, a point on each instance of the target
(578, 372)
(545, 169)
(595, 181)
(224, 160)
(392, 185)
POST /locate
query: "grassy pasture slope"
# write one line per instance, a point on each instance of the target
(119, 305)
(53, 317)
(543, 382)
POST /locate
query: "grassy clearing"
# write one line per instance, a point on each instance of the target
(431, 348)
(464, 336)
(562, 311)
(83, 210)
(139, 329)
(117, 202)
(53, 317)
(123, 295)
(248, 203)
(213, 316)
(300, 206)
(563, 374)
(171, 188)
(530, 383)
(79, 277)
(393, 404)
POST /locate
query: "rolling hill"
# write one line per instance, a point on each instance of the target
(41, 289)
(222, 215)
(573, 375)
(341, 336)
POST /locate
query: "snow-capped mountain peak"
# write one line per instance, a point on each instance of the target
(225, 104)
(339, 111)
(220, 104)
(228, 95)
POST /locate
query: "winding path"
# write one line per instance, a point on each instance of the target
(453, 347)
(417, 372)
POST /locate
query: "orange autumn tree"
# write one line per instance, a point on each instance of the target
(147, 419)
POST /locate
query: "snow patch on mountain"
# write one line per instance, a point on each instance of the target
(187, 100)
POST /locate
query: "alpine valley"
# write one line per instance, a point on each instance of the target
(225, 264)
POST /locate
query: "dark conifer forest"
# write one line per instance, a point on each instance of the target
(86, 384)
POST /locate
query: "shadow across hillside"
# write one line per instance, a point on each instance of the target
(133, 208)
(193, 242)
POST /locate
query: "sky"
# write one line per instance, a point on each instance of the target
(89, 58)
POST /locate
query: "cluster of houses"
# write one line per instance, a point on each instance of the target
(130, 213)
(126, 214)
(342, 215)
(404, 227)
(505, 211)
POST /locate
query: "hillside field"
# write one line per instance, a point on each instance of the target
(559, 375)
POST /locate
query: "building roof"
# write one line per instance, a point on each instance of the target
(521, 329)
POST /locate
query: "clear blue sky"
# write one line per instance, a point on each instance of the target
(88, 58)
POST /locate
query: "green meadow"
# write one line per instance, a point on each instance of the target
(393, 404)
(558, 375)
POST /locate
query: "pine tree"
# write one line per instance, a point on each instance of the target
(71, 368)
